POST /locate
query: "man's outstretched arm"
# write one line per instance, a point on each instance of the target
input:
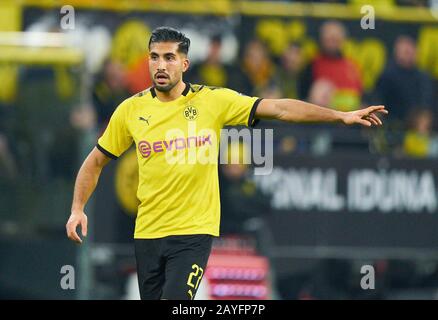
(86, 182)
(292, 110)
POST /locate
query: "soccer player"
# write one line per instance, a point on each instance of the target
(175, 127)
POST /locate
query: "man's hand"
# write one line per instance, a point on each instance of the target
(76, 218)
(366, 117)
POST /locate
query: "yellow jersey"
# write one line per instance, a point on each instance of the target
(177, 146)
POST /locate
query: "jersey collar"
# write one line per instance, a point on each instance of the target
(184, 93)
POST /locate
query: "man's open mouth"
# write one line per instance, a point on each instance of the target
(161, 78)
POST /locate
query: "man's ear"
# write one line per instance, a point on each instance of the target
(186, 64)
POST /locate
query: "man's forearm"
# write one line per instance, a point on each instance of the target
(85, 184)
(292, 110)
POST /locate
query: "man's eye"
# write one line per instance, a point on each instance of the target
(170, 58)
(154, 58)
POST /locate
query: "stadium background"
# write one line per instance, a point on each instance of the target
(338, 198)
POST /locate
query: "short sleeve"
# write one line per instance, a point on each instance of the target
(236, 108)
(116, 138)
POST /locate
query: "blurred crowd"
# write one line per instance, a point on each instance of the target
(334, 80)
(331, 79)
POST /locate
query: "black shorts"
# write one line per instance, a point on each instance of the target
(171, 267)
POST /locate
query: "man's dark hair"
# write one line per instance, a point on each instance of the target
(168, 34)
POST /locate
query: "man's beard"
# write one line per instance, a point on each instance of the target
(165, 88)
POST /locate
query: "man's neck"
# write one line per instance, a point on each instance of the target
(405, 66)
(173, 94)
(332, 54)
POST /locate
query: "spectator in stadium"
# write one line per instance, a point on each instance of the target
(289, 72)
(419, 140)
(402, 84)
(271, 91)
(83, 118)
(236, 184)
(109, 90)
(287, 145)
(213, 72)
(322, 92)
(331, 65)
(257, 65)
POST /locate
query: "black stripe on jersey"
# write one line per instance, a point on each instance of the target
(191, 88)
(106, 152)
(186, 89)
(196, 87)
(251, 121)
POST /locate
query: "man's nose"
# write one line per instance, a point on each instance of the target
(161, 65)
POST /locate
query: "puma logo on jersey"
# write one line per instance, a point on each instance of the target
(143, 119)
